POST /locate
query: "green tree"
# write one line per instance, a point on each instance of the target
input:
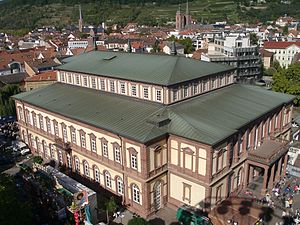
(7, 105)
(288, 81)
(138, 221)
(110, 207)
(11, 205)
(253, 39)
(38, 159)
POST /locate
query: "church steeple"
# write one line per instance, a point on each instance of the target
(80, 21)
(187, 12)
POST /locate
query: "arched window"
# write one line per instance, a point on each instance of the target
(136, 193)
(120, 188)
(96, 174)
(107, 178)
(69, 161)
(45, 147)
(86, 169)
(77, 165)
(52, 155)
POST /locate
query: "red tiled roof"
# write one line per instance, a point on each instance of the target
(279, 44)
(46, 76)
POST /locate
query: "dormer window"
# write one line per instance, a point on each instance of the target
(175, 94)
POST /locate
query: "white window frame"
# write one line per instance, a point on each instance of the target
(117, 154)
(159, 95)
(133, 161)
(175, 94)
(107, 179)
(77, 165)
(133, 90)
(105, 149)
(102, 85)
(94, 83)
(85, 81)
(122, 88)
(86, 169)
(112, 86)
(97, 174)
(52, 154)
(146, 92)
(120, 188)
(77, 79)
(41, 123)
(83, 141)
(93, 145)
(69, 161)
(60, 157)
(65, 134)
(136, 194)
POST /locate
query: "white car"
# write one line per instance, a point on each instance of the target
(25, 151)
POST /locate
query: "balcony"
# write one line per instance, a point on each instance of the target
(269, 151)
(158, 170)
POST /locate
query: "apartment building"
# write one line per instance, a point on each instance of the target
(235, 50)
(284, 51)
(158, 130)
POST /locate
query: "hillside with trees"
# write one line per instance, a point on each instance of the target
(29, 14)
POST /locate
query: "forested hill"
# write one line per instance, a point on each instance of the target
(29, 14)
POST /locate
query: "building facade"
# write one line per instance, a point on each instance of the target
(284, 52)
(158, 130)
(236, 50)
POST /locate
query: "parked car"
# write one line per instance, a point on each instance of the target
(25, 151)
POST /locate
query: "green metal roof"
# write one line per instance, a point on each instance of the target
(149, 68)
(208, 118)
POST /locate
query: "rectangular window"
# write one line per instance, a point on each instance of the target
(62, 77)
(270, 126)
(102, 85)
(93, 145)
(175, 95)
(77, 80)
(123, 91)
(69, 79)
(117, 155)
(204, 86)
(85, 83)
(158, 95)
(82, 138)
(41, 123)
(146, 92)
(34, 120)
(276, 121)
(49, 127)
(56, 129)
(133, 160)
(65, 136)
(73, 136)
(133, 90)
(112, 85)
(185, 91)
(93, 83)
(195, 89)
(104, 149)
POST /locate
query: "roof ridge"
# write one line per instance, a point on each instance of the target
(172, 72)
(191, 125)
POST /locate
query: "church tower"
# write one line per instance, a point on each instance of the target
(80, 21)
(183, 19)
(179, 17)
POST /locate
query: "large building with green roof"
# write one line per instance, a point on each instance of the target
(158, 130)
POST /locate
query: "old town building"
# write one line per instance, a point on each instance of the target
(158, 130)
